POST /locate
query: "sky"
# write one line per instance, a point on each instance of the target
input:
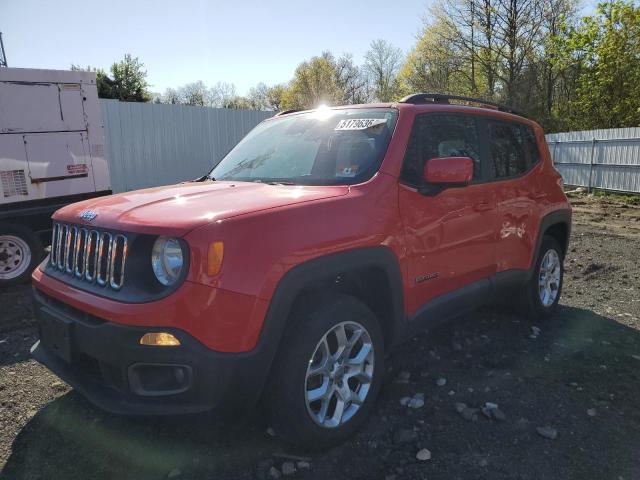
(180, 41)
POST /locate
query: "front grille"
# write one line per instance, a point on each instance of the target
(90, 255)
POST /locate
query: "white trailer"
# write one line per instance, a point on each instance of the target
(51, 154)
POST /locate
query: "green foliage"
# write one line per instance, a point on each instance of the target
(382, 63)
(564, 72)
(129, 80)
(434, 64)
(314, 83)
(103, 82)
(604, 53)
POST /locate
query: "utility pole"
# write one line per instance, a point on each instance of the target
(3, 56)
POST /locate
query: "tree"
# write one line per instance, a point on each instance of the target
(382, 63)
(195, 94)
(129, 80)
(221, 94)
(259, 97)
(239, 103)
(502, 50)
(104, 84)
(435, 64)
(314, 83)
(171, 96)
(275, 96)
(603, 52)
(351, 80)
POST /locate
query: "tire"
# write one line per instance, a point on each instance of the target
(538, 301)
(20, 252)
(291, 410)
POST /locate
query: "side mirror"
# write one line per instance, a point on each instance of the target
(448, 171)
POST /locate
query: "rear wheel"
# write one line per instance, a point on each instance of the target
(542, 293)
(20, 252)
(328, 372)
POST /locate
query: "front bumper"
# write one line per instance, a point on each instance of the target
(105, 362)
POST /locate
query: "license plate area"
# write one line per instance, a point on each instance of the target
(55, 334)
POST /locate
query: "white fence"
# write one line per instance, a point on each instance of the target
(151, 144)
(606, 159)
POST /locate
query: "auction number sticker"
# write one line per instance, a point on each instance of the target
(359, 123)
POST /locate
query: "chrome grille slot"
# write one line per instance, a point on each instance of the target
(78, 257)
(91, 256)
(104, 258)
(59, 246)
(69, 244)
(116, 269)
(54, 244)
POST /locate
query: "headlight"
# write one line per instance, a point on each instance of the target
(166, 260)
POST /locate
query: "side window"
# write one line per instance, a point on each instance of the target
(532, 146)
(506, 147)
(437, 135)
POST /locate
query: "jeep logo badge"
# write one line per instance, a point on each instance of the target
(88, 215)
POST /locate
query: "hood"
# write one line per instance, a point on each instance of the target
(175, 210)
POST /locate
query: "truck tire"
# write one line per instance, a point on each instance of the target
(327, 373)
(20, 252)
(540, 297)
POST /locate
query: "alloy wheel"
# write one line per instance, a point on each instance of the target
(549, 278)
(339, 374)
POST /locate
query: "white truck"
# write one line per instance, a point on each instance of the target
(51, 154)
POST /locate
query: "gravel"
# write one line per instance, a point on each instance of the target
(586, 357)
(547, 432)
(423, 455)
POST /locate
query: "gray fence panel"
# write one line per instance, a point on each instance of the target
(606, 159)
(151, 144)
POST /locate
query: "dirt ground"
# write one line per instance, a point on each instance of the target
(578, 376)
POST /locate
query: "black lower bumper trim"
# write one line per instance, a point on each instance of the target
(96, 358)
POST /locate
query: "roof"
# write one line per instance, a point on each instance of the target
(35, 75)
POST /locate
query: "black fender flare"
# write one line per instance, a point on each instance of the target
(305, 274)
(557, 217)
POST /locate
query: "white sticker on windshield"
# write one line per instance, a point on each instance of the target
(359, 123)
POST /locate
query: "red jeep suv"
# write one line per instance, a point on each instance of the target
(318, 244)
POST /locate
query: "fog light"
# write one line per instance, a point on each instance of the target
(159, 379)
(159, 339)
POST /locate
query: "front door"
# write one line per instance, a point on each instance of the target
(450, 235)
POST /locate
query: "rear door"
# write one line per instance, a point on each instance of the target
(513, 159)
(449, 235)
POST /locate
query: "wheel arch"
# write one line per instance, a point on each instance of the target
(556, 224)
(358, 268)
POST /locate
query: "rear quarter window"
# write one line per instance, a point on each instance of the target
(506, 149)
(532, 146)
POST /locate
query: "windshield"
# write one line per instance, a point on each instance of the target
(322, 147)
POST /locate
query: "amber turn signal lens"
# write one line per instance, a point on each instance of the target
(159, 339)
(214, 257)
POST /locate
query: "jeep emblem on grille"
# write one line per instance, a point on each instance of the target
(88, 215)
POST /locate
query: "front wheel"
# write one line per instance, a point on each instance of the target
(542, 293)
(328, 372)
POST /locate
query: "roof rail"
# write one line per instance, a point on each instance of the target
(284, 112)
(441, 98)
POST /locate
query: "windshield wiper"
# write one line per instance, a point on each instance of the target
(279, 183)
(202, 179)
